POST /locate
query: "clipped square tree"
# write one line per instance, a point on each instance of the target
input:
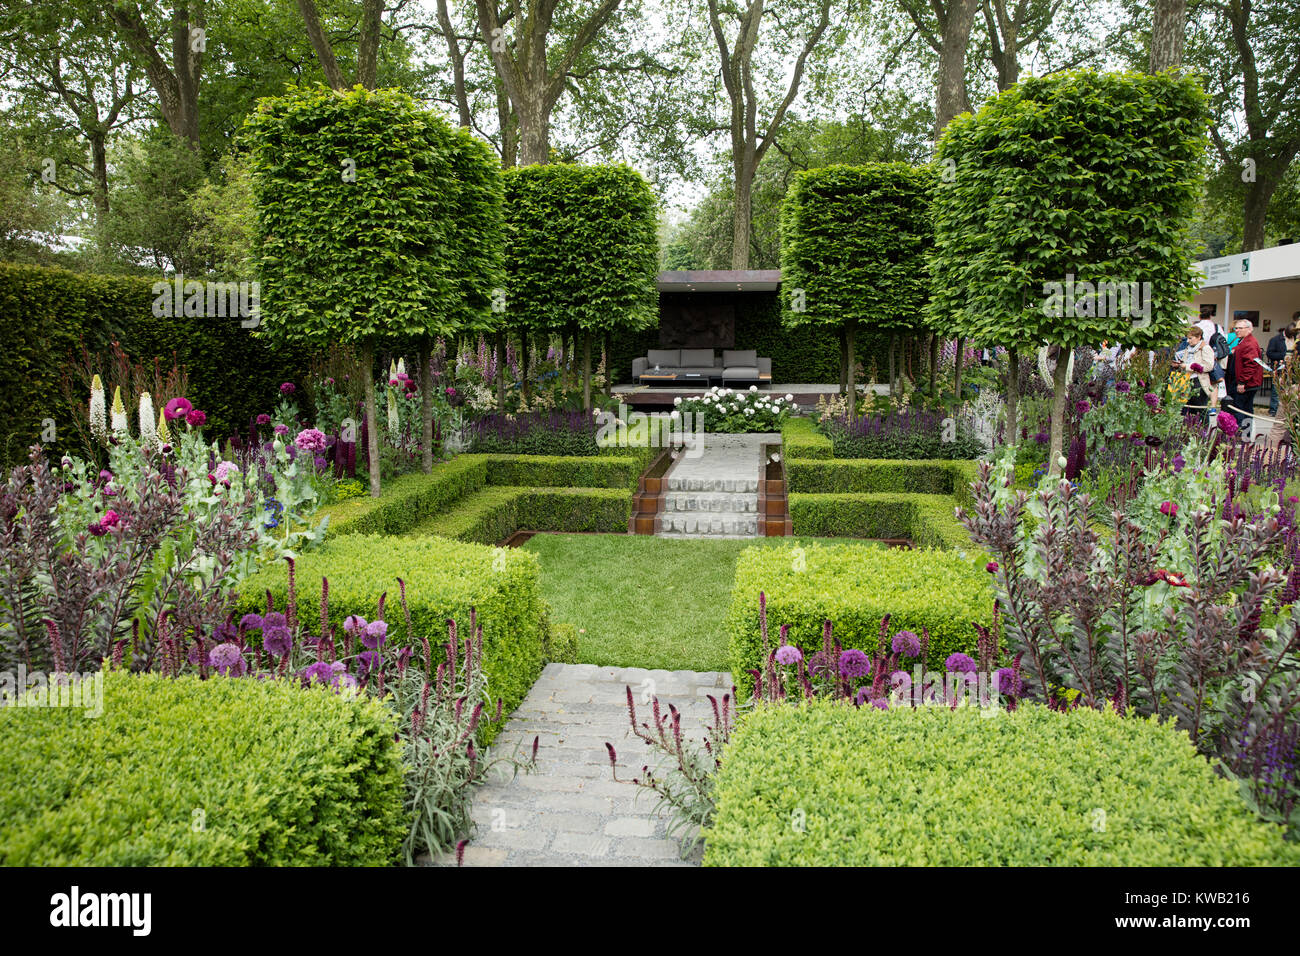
(1062, 216)
(377, 222)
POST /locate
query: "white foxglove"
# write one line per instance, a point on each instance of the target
(148, 430)
(118, 422)
(98, 412)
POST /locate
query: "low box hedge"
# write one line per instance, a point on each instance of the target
(494, 514)
(932, 786)
(854, 586)
(801, 439)
(444, 579)
(870, 475)
(408, 500)
(185, 772)
(925, 520)
(559, 471)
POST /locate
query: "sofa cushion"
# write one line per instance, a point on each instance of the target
(702, 371)
(698, 358)
(741, 372)
(739, 357)
(664, 358)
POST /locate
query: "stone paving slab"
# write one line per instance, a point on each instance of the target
(570, 811)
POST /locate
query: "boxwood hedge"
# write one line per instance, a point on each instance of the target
(853, 586)
(801, 439)
(444, 579)
(493, 514)
(931, 786)
(925, 520)
(184, 772)
(561, 471)
(410, 499)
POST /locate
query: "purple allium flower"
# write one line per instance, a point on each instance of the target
(196, 419)
(1227, 424)
(880, 703)
(226, 658)
(277, 641)
(177, 408)
(345, 682)
(287, 388)
(963, 663)
(275, 619)
(788, 654)
(263, 419)
(854, 663)
(1152, 400)
(366, 662)
(1042, 438)
(320, 462)
(906, 643)
(1008, 683)
(1123, 387)
(311, 440)
(1179, 462)
(862, 696)
(251, 622)
(374, 635)
(318, 673)
(354, 624)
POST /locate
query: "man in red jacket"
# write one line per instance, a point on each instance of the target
(1248, 373)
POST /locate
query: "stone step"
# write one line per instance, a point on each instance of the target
(715, 484)
(716, 523)
(710, 501)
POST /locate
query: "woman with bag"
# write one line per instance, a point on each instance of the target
(1198, 361)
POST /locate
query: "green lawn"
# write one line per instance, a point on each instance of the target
(641, 601)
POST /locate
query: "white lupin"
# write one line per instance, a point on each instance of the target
(148, 427)
(98, 411)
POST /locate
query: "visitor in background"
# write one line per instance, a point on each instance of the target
(1245, 371)
(1279, 348)
(1229, 369)
(1197, 359)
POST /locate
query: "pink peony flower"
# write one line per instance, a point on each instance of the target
(311, 440)
(196, 419)
(287, 388)
(1168, 508)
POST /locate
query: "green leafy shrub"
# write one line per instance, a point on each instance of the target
(932, 786)
(801, 439)
(854, 586)
(46, 314)
(925, 520)
(493, 514)
(561, 643)
(444, 579)
(278, 775)
(410, 499)
(560, 471)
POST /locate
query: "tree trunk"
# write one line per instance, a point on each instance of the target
(525, 390)
(851, 386)
(950, 93)
(1168, 28)
(1259, 195)
(844, 363)
(740, 223)
(586, 370)
(426, 406)
(1060, 388)
(457, 57)
(609, 375)
(1013, 396)
(509, 125)
(934, 363)
(956, 384)
(890, 366)
(372, 430)
(534, 132)
(372, 19)
(501, 371)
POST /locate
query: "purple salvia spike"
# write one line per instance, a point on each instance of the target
(473, 717)
(785, 630)
(473, 759)
(631, 707)
(382, 598)
(270, 602)
(536, 740)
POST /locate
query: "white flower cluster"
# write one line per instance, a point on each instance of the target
(730, 402)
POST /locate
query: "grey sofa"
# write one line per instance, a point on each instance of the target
(735, 365)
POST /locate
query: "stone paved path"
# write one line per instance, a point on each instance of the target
(716, 494)
(570, 811)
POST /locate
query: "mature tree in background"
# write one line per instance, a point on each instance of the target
(946, 26)
(1168, 31)
(29, 207)
(535, 60)
(853, 244)
(1250, 52)
(66, 64)
(1047, 195)
(761, 83)
(150, 221)
(169, 44)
